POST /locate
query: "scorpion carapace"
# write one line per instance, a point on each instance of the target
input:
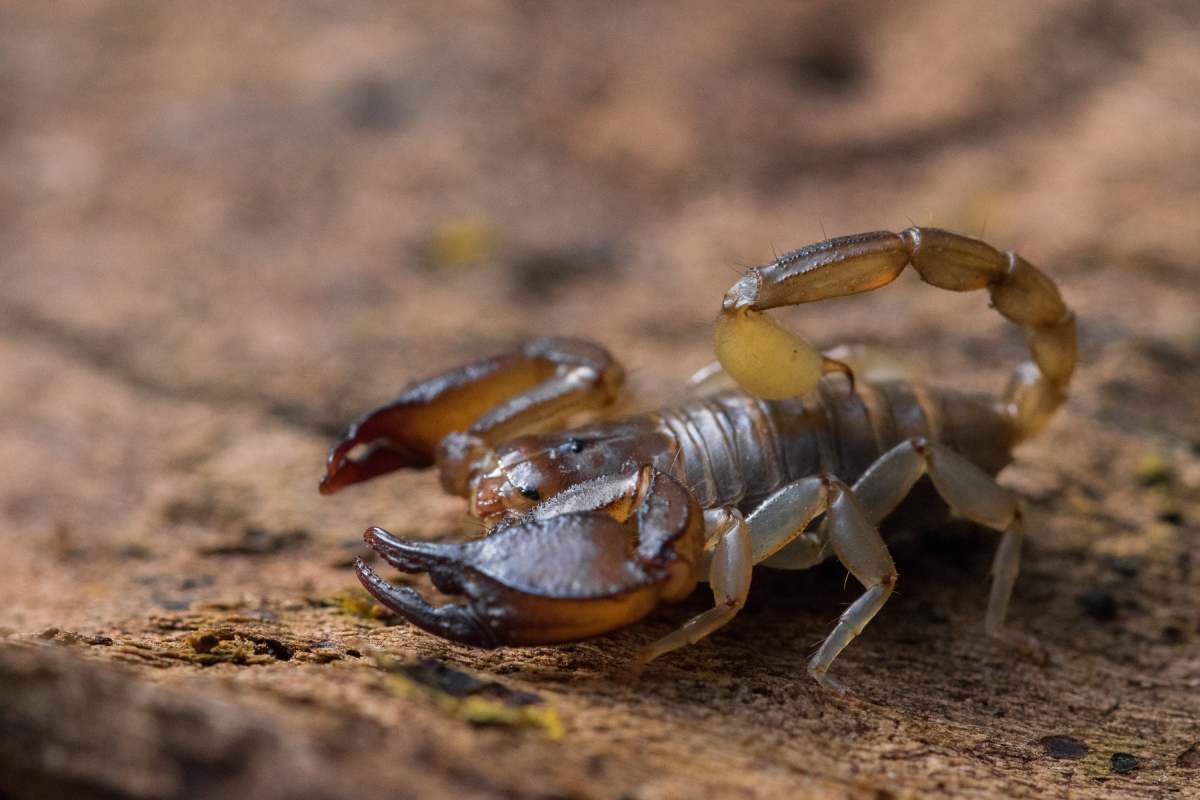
(782, 456)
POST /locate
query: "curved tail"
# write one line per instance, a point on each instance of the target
(772, 362)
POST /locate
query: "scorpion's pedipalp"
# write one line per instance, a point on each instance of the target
(480, 403)
(555, 579)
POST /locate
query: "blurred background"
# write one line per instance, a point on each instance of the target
(229, 228)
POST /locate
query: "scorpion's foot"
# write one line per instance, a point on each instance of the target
(828, 681)
(1028, 646)
(451, 621)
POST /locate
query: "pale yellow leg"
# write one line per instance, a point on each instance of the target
(971, 493)
(859, 547)
(729, 578)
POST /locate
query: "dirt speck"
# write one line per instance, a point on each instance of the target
(1123, 763)
(258, 541)
(1063, 746)
(1190, 758)
(1099, 605)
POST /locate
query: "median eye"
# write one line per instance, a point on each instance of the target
(575, 446)
(529, 493)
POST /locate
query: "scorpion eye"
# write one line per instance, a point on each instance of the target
(575, 446)
(529, 493)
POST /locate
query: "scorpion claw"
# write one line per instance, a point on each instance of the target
(452, 621)
(438, 559)
(404, 556)
(541, 581)
(341, 470)
(405, 433)
(451, 419)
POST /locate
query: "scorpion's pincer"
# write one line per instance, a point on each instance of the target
(539, 581)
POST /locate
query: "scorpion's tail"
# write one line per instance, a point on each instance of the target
(751, 346)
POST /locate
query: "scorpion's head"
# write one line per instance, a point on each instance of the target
(520, 473)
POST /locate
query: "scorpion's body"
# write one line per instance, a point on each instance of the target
(732, 448)
(770, 458)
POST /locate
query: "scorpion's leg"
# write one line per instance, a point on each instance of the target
(779, 521)
(856, 542)
(708, 380)
(452, 418)
(778, 526)
(739, 545)
(729, 568)
(971, 493)
(596, 557)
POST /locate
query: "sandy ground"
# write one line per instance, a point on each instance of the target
(228, 231)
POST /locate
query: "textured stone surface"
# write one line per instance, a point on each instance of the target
(226, 231)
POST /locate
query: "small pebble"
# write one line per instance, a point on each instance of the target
(1125, 566)
(1173, 634)
(1099, 605)
(1171, 516)
(1063, 746)
(1123, 763)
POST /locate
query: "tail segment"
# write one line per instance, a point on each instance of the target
(852, 264)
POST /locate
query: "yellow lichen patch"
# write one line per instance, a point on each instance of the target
(461, 243)
(468, 698)
(1154, 469)
(765, 358)
(482, 710)
(223, 646)
(356, 604)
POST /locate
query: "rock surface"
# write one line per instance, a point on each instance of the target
(227, 230)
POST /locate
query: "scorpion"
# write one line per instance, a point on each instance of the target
(778, 455)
